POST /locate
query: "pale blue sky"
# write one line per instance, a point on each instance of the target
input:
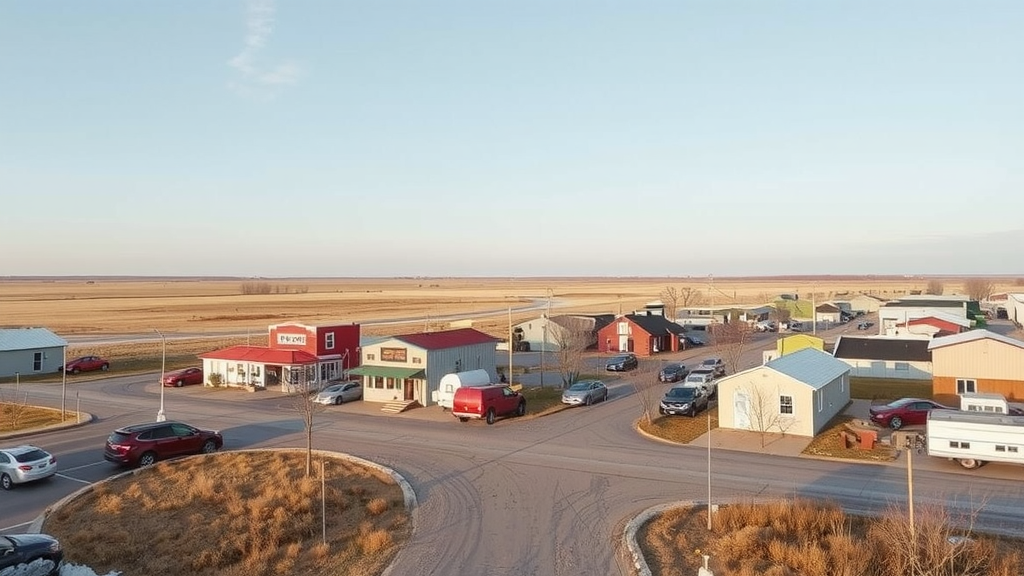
(534, 137)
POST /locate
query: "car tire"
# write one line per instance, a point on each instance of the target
(661, 410)
(6, 483)
(147, 459)
(338, 400)
(75, 370)
(463, 419)
(521, 409)
(490, 416)
(105, 367)
(896, 423)
(209, 447)
(588, 400)
(179, 384)
(970, 463)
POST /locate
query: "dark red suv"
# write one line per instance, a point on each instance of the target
(144, 444)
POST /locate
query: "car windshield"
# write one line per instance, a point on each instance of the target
(709, 362)
(31, 456)
(899, 403)
(672, 368)
(580, 387)
(682, 393)
(619, 359)
(334, 388)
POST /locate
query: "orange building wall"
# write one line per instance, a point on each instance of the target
(944, 389)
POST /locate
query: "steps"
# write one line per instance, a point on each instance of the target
(399, 406)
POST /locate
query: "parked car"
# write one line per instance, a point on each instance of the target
(689, 340)
(144, 444)
(30, 555)
(622, 363)
(585, 392)
(904, 411)
(715, 364)
(179, 378)
(764, 326)
(487, 402)
(704, 378)
(23, 464)
(86, 364)
(340, 392)
(864, 325)
(796, 327)
(673, 373)
(686, 399)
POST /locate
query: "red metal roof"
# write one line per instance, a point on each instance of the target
(446, 339)
(262, 355)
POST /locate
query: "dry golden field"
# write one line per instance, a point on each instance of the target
(114, 306)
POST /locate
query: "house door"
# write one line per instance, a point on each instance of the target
(625, 343)
(741, 410)
(410, 388)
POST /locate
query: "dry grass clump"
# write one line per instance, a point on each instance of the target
(17, 414)
(804, 538)
(246, 513)
(680, 429)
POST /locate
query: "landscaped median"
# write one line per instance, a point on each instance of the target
(239, 513)
(20, 419)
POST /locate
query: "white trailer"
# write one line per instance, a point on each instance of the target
(984, 402)
(445, 393)
(974, 438)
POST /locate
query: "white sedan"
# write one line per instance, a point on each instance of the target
(340, 392)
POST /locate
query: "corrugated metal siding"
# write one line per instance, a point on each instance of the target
(979, 359)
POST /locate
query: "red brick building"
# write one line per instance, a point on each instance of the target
(644, 335)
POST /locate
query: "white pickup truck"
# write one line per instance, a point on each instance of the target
(705, 378)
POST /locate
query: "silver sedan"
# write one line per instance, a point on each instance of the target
(585, 392)
(340, 392)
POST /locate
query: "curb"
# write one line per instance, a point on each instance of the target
(84, 418)
(633, 526)
(409, 495)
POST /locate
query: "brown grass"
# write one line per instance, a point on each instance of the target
(817, 539)
(830, 443)
(682, 429)
(17, 415)
(245, 513)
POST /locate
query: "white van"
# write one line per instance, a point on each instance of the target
(445, 393)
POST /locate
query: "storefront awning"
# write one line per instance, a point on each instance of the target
(387, 372)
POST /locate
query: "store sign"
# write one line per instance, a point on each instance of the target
(291, 339)
(394, 355)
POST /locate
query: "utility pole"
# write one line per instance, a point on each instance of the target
(709, 469)
(511, 344)
(161, 415)
(814, 309)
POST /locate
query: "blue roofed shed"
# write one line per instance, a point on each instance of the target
(28, 351)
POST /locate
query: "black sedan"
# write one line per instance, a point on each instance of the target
(673, 373)
(35, 554)
(622, 363)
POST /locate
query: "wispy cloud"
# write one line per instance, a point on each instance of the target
(254, 77)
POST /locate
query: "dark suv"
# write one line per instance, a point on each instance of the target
(144, 444)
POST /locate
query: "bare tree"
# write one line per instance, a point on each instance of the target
(302, 384)
(690, 296)
(670, 298)
(779, 315)
(762, 410)
(979, 288)
(934, 287)
(646, 388)
(731, 341)
(572, 335)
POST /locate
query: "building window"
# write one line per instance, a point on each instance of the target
(417, 360)
(963, 445)
(378, 382)
(966, 385)
(903, 366)
(391, 383)
(329, 341)
(37, 361)
(371, 356)
(786, 405)
(623, 328)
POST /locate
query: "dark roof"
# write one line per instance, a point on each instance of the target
(924, 304)
(446, 339)
(827, 308)
(894, 349)
(655, 325)
(602, 320)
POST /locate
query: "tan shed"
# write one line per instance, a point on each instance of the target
(977, 361)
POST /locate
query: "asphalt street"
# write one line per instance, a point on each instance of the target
(542, 496)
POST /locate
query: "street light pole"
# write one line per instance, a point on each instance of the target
(160, 415)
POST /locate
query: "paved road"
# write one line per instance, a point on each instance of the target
(546, 496)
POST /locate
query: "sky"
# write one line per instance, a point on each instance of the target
(513, 138)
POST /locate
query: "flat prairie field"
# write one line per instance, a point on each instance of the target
(198, 306)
